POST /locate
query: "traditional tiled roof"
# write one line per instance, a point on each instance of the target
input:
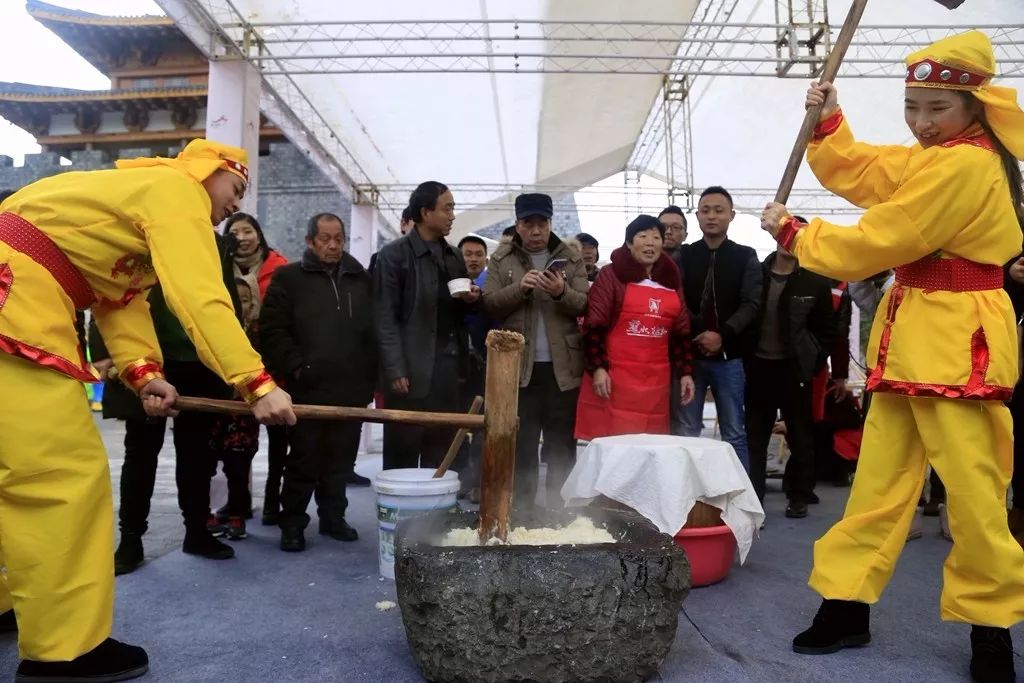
(43, 12)
(106, 42)
(26, 92)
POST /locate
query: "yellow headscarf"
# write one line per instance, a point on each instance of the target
(199, 159)
(967, 62)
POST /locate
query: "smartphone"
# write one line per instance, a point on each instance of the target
(558, 265)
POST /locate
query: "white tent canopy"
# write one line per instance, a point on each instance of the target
(394, 117)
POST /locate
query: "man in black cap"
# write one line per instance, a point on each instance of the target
(589, 249)
(537, 286)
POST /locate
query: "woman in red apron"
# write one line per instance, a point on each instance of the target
(635, 330)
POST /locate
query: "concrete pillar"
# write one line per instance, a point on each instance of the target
(362, 233)
(233, 115)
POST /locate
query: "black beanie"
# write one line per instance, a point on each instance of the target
(641, 223)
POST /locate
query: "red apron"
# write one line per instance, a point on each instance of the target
(638, 360)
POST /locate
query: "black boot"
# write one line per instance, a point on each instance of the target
(838, 624)
(8, 622)
(339, 531)
(271, 508)
(293, 540)
(108, 661)
(129, 554)
(201, 542)
(991, 655)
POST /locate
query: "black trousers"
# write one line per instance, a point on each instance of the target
(544, 409)
(195, 455)
(277, 452)
(772, 387)
(237, 468)
(467, 462)
(143, 439)
(416, 446)
(322, 455)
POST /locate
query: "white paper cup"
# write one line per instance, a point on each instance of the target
(460, 285)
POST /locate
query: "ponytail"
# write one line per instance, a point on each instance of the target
(1010, 166)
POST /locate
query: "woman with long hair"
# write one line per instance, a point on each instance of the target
(946, 213)
(253, 263)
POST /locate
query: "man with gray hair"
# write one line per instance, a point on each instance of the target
(316, 330)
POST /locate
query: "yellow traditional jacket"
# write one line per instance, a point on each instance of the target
(943, 217)
(99, 239)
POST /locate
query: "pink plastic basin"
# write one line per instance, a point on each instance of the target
(710, 551)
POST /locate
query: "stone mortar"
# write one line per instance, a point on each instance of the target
(604, 612)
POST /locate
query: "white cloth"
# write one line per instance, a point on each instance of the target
(662, 476)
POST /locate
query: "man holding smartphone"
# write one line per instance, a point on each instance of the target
(537, 286)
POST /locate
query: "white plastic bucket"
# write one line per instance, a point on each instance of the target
(406, 493)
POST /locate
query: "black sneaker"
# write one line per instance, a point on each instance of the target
(108, 662)
(8, 622)
(236, 529)
(339, 531)
(357, 480)
(838, 624)
(797, 509)
(216, 527)
(223, 514)
(129, 555)
(205, 545)
(991, 655)
(293, 540)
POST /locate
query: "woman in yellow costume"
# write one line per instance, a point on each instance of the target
(98, 240)
(946, 213)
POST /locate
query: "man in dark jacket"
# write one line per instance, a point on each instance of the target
(722, 281)
(316, 329)
(796, 329)
(421, 329)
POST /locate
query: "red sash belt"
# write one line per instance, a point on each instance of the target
(950, 275)
(29, 240)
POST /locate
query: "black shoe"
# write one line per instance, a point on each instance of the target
(107, 662)
(843, 480)
(357, 480)
(812, 498)
(271, 509)
(838, 624)
(991, 655)
(205, 545)
(293, 540)
(931, 508)
(8, 622)
(339, 531)
(129, 554)
(270, 518)
(797, 509)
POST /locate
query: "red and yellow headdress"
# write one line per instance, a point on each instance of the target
(199, 159)
(967, 62)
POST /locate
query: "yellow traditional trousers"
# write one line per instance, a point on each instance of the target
(56, 514)
(970, 445)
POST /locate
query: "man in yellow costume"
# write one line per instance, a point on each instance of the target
(946, 213)
(98, 240)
